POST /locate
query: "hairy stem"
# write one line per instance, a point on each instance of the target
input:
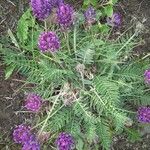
(68, 45)
(50, 112)
(74, 41)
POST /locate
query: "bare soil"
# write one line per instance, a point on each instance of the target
(134, 11)
(11, 107)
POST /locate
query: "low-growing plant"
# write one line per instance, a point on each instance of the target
(86, 79)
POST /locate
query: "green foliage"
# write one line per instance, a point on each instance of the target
(86, 54)
(90, 2)
(8, 71)
(25, 28)
(79, 145)
(108, 5)
(108, 10)
(100, 74)
(133, 134)
(104, 133)
(13, 39)
(24, 24)
(103, 9)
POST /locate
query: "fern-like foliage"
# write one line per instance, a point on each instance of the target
(86, 83)
(86, 54)
(105, 135)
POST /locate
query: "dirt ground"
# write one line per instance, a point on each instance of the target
(134, 11)
(10, 104)
(11, 99)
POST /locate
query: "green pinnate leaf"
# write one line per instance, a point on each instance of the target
(108, 10)
(14, 41)
(94, 2)
(25, 22)
(90, 2)
(114, 1)
(80, 144)
(9, 70)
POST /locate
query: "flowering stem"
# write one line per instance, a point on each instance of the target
(32, 46)
(126, 111)
(49, 114)
(49, 117)
(68, 46)
(126, 43)
(104, 4)
(82, 77)
(20, 88)
(48, 57)
(148, 55)
(74, 41)
(45, 24)
(112, 68)
(57, 61)
(109, 34)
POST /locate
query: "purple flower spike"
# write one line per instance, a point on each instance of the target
(21, 134)
(31, 144)
(115, 20)
(65, 141)
(144, 114)
(147, 76)
(65, 15)
(48, 42)
(56, 3)
(90, 15)
(41, 8)
(33, 102)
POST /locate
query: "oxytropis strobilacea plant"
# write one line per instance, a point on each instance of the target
(85, 79)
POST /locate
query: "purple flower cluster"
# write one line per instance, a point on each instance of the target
(31, 144)
(65, 141)
(56, 3)
(115, 20)
(22, 134)
(147, 76)
(65, 15)
(48, 41)
(144, 114)
(90, 15)
(33, 102)
(41, 8)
